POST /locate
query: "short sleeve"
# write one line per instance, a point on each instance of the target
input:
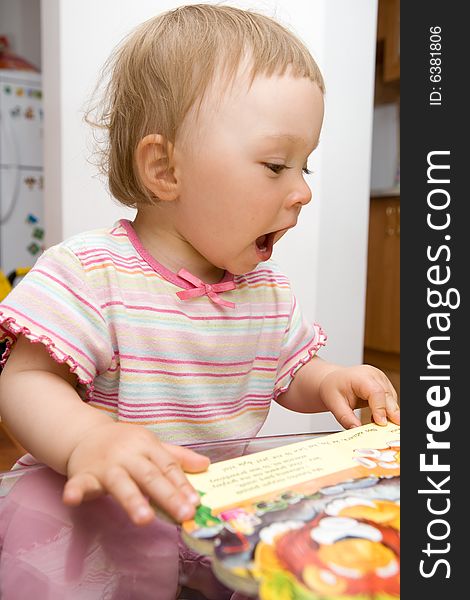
(54, 305)
(301, 342)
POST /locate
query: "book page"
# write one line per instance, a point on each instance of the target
(239, 479)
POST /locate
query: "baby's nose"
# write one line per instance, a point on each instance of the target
(306, 195)
(302, 195)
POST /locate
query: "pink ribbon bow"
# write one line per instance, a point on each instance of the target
(202, 289)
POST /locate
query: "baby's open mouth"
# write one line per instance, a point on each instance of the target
(264, 241)
(264, 245)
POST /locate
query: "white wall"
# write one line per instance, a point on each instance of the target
(325, 256)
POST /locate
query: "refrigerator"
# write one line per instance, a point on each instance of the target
(21, 169)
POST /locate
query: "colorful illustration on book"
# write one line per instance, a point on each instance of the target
(334, 536)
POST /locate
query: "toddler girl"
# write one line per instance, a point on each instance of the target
(126, 343)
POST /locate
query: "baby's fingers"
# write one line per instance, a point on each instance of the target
(392, 407)
(186, 461)
(163, 481)
(83, 486)
(342, 411)
(125, 490)
(383, 404)
(190, 461)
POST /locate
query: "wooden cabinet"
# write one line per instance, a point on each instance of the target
(388, 31)
(382, 328)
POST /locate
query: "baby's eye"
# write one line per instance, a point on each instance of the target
(307, 171)
(275, 168)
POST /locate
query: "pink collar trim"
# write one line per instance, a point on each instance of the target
(185, 282)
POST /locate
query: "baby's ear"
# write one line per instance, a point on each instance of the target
(154, 166)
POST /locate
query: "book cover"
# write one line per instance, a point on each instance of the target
(316, 519)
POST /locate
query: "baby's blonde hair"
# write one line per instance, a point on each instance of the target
(167, 64)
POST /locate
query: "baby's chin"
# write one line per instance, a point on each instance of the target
(247, 269)
(245, 263)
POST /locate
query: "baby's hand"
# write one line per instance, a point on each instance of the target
(130, 463)
(347, 388)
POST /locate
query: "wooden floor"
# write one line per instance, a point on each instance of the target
(9, 452)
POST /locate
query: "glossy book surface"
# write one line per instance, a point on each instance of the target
(315, 519)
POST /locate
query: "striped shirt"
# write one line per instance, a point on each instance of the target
(191, 370)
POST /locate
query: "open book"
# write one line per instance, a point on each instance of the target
(316, 519)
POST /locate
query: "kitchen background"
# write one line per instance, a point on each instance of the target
(343, 258)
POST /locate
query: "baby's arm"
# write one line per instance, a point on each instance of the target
(40, 405)
(320, 386)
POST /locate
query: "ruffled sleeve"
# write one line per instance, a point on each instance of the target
(301, 342)
(54, 305)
